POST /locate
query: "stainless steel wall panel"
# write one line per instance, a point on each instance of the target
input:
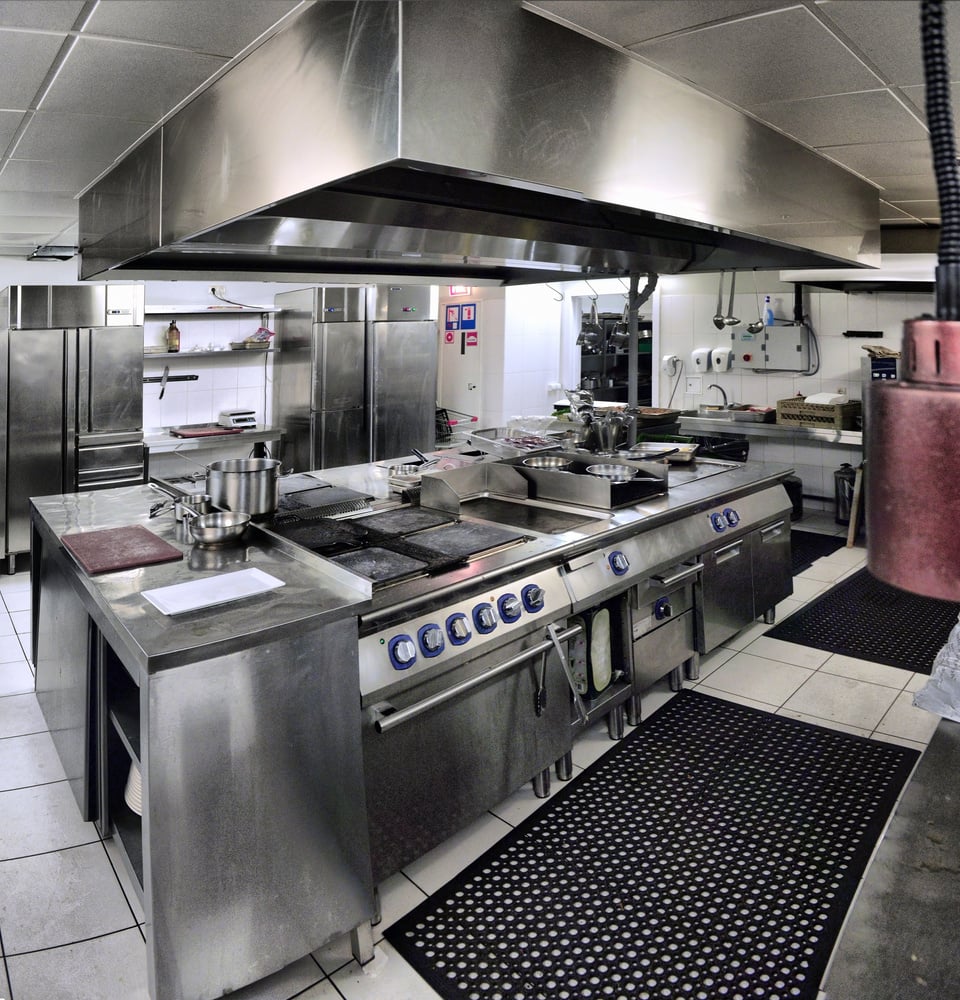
(340, 375)
(30, 306)
(78, 305)
(317, 103)
(294, 372)
(110, 392)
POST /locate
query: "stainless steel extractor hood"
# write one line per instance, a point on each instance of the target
(908, 272)
(438, 139)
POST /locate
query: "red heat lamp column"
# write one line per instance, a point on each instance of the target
(913, 465)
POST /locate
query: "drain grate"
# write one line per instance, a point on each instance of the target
(870, 620)
(712, 854)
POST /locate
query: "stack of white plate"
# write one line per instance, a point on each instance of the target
(132, 794)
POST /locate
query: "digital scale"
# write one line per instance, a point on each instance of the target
(237, 419)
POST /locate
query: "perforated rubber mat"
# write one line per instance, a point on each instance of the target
(870, 620)
(711, 855)
(806, 546)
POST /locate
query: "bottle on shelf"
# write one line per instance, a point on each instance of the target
(767, 312)
(173, 337)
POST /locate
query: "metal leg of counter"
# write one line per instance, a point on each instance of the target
(770, 616)
(634, 710)
(564, 767)
(361, 942)
(541, 783)
(615, 723)
(691, 667)
(676, 678)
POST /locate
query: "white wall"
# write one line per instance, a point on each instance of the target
(687, 307)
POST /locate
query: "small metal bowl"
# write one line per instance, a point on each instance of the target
(219, 527)
(615, 473)
(554, 462)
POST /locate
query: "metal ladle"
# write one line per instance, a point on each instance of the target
(730, 319)
(757, 325)
(718, 320)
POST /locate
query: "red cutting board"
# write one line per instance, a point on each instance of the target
(201, 432)
(110, 549)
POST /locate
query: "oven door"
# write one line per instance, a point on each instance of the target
(451, 747)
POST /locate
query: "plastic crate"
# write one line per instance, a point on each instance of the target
(797, 412)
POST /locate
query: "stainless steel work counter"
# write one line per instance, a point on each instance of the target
(753, 429)
(159, 440)
(314, 590)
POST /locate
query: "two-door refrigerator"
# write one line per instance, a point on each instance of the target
(71, 391)
(355, 374)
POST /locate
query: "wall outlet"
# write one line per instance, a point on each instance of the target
(694, 385)
(218, 290)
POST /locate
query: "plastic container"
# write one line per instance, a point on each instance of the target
(767, 312)
(843, 481)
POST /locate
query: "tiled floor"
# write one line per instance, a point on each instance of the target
(70, 925)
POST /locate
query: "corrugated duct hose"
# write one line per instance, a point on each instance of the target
(913, 463)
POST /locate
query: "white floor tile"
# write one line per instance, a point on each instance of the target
(805, 589)
(655, 697)
(864, 670)
(904, 720)
(787, 607)
(6, 625)
(593, 743)
(916, 682)
(715, 658)
(438, 866)
(105, 968)
(822, 571)
(842, 699)
(515, 808)
(826, 723)
(29, 760)
(50, 900)
(20, 714)
(387, 977)
(757, 678)
(787, 652)
(900, 742)
(10, 650)
(125, 879)
(16, 678)
(745, 636)
(736, 698)
(21, 621)
(41, 818)
(17, 598)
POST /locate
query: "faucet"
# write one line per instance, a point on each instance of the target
(719, 389)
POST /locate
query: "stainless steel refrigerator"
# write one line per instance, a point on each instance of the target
(355, 374)
(72, 393)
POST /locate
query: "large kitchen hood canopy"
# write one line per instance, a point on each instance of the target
(435, 138)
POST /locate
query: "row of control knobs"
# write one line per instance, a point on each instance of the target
(484, 617)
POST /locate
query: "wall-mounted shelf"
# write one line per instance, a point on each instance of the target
(207, 311)
(208, 354)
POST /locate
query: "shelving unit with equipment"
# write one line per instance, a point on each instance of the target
(608, 365)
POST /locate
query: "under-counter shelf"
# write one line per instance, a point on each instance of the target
(124, 714)
(208, 311)
(208, 354)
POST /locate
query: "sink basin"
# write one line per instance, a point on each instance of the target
(715, 412)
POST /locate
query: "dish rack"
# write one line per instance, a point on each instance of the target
(797, 412)
(445, 423)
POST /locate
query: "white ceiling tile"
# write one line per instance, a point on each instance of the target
(888, 33)
(897, 188)
(890, 213)
(217, 27)
(630, 23)
(32, 203)
(885, 158)
(9, 123)
(66, 177)
(54, 136)
(870, 116)
(127, 80)
(788, 55)
(53, 15)
(25, 57)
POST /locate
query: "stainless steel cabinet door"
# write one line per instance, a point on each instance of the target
(772, 566)
(35, 426)
(340, 438)
(339, 382)
(110, 391)
(727, 592)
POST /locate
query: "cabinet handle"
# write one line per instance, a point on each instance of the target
(728, 553)
(684, 574)
(771, 531)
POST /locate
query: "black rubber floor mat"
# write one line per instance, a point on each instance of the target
(870, 620)
(808, 546)
(712, 853)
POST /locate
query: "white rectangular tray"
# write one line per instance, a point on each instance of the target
(211, 590)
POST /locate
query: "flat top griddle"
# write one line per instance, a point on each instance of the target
(467, 538)
(404, 520)
(380, 565)
(521, 515)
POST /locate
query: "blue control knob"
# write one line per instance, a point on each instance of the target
(509, 607)
(484, 618)
(718, 521)
(458, 628)
(533, 598)
(431, 639)
(403, 652)
(619, 563)
(662, 609)
(733, 518)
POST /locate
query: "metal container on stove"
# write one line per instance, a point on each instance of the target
(250, 485)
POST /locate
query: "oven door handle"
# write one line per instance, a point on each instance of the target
(384, 722)
(684, 574)
(555, 638)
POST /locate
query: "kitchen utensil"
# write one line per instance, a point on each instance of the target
(730, 319)
(547, 462)
(643, 452)
(757, 325)
(718, 321)
(615, 473)
(250, 485)
(219, 527)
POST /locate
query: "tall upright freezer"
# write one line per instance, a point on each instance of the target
(71, 390)
(355, 373)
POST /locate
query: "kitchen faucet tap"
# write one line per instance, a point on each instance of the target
(713, 385)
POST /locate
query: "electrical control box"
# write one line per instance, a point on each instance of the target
(784, 347)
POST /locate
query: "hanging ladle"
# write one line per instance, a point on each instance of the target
(730, 319)
(757, 325)
(718, 320)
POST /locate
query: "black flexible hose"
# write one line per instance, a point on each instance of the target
(943, 147)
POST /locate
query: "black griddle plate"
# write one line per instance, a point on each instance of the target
(404, 520)
(467, 538)
(380, 565)
(520, 515)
